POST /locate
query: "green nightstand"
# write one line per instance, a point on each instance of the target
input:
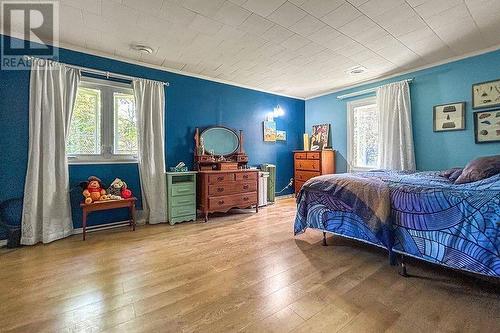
(181, 193)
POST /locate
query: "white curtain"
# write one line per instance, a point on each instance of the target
(47, 210)
(150, 106)
(396, 149)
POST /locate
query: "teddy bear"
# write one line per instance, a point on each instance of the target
(118, 189)
(92, 190)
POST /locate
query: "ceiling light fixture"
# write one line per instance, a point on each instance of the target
(356, 70)
(142, 48)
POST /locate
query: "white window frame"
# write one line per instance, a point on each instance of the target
(351, 106)
(107, 155)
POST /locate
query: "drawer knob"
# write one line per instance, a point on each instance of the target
(245, 176)
(221, 202)
(245, 198)
(220, 189)
(220, 178)
(245, 187)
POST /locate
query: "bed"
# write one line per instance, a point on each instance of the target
(418, 214)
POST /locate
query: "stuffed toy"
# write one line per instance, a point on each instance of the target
(92, 190)
(118, 189)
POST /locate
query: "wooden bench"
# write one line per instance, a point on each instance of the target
(107, 205)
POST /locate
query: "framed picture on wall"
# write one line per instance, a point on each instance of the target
(487, 126)
(269, 131)
(486, 94)
(280, 135)
(449, 117)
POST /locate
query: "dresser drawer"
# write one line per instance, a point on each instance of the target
(183, 189)
(235, 200)
(183, 210)
(225, 189)
(183, 200)
(246, 176)
(301, 156)
(309, 165)
(313, 156)
(305, 175)
(221, 178)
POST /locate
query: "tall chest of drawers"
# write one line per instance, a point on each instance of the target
(181, 196)
(219, 191)
(309, 164)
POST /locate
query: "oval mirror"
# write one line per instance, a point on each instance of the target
(220, 141)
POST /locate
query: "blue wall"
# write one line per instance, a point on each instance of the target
(191, 103)
(442, 84)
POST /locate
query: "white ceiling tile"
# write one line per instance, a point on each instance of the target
(256, 24)
(203, 7)
(205, 25)
(263, 7)
(324, 35)
(357, 26)
(320, 8)
(174, 12)
(342, 15)
(277, 34)
(431, 8)
(297, 2)
(374, 8)
(287, 15)
(152, 7)
(358, 3)
(295, 42)
(91, 6)
(231, 14)
(307, 25)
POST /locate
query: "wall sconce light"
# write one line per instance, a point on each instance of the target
(278, 112)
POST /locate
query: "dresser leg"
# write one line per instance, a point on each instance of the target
(324, 239)
(206, 217)
(84, 223)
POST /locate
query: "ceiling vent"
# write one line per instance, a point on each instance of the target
(356, 70)
(142, 48)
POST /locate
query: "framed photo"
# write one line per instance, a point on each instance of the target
(487, 126)
(486, 94)
(449, 117)
(269, 131)
(319, 137)
(280, 135)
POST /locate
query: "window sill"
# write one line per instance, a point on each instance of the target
(102, 161)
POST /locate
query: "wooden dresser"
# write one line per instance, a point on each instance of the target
(219, 191)
(309, 164)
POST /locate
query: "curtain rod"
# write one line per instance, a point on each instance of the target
(364, 92)
(102, 73)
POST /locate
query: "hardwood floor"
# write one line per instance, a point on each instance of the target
(241, 272)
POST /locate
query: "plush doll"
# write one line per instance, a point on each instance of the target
(92, 190)
(118, 189)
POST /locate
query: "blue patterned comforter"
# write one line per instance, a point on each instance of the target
(430, 218)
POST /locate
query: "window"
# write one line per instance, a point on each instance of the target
(363, 134)
(104, 123)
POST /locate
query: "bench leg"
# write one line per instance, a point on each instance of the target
(324, 239)
(84, 223)
(132, 216)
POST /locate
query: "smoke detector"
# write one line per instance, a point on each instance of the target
(356, 70)
(142, 48)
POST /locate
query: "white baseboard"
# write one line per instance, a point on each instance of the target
(3, 242)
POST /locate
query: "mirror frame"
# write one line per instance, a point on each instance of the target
(226, 128)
